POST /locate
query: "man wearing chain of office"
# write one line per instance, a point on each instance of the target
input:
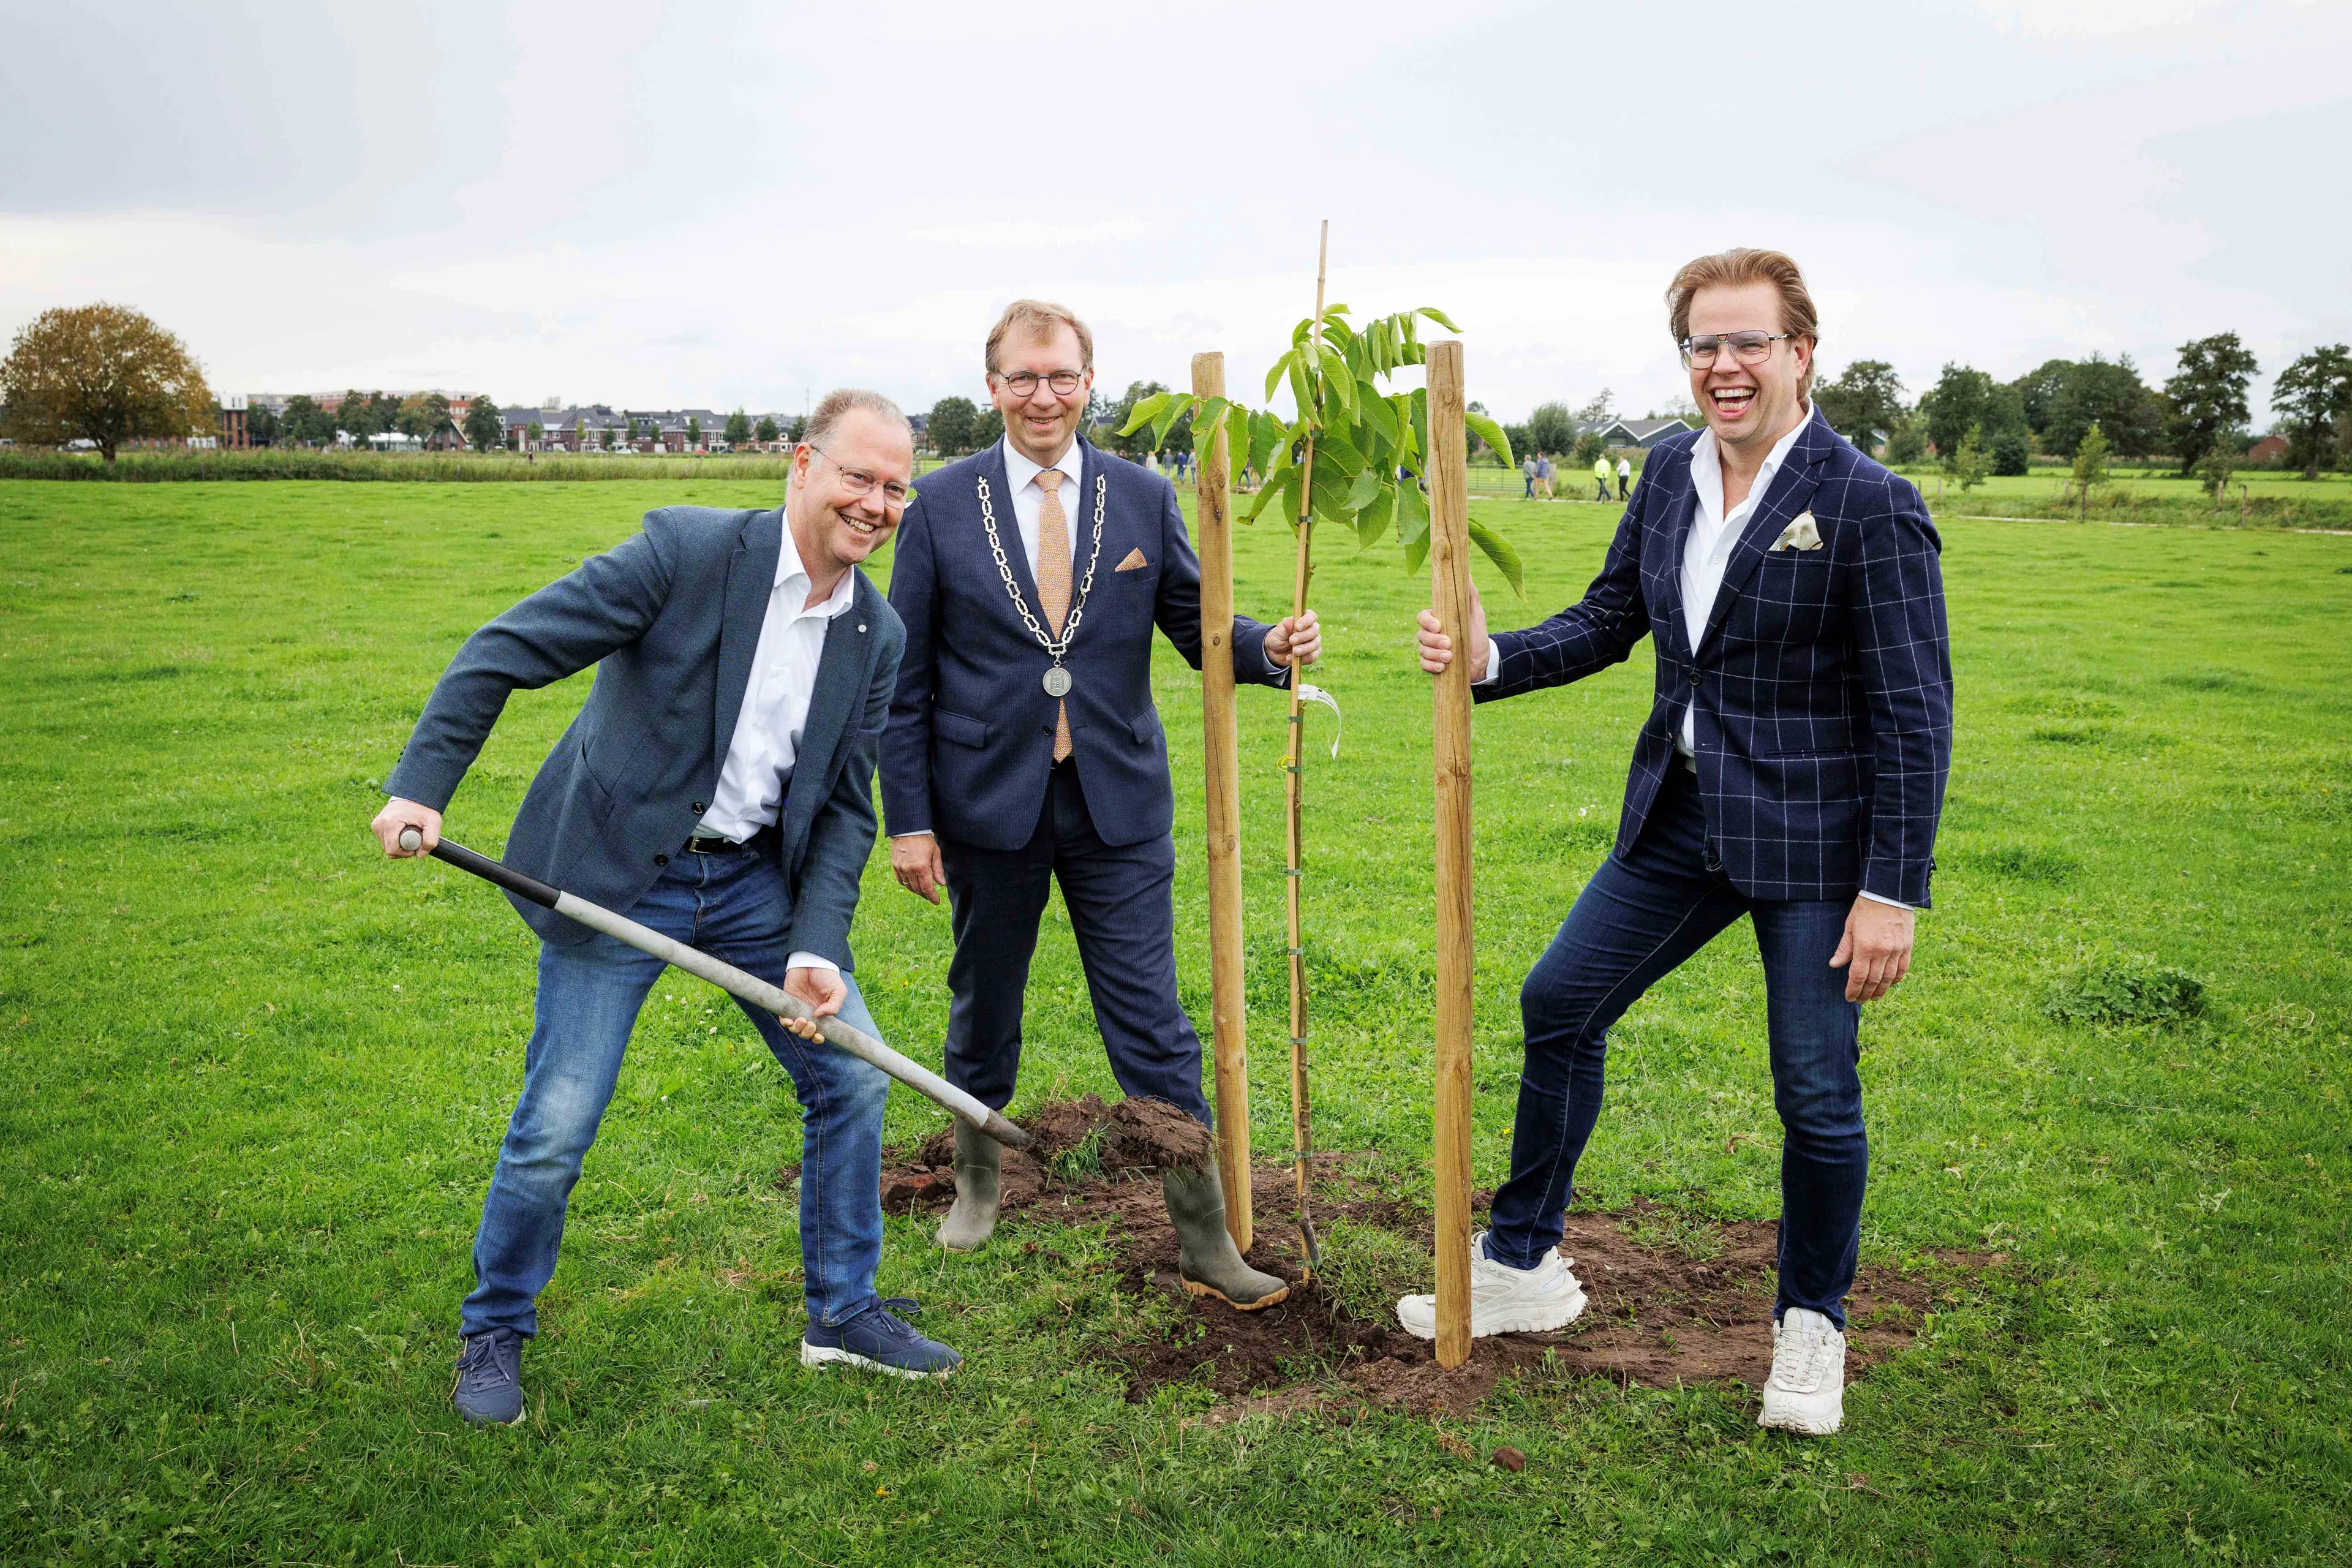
(1023, 749)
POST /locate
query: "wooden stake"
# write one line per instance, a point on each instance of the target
(1220, 762)
(1302, 1119)
(1449, 571)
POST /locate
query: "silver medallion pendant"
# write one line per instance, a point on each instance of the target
(1057, 682)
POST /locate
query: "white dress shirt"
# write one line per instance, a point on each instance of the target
(1029, 501)
(758, 766)
(1712, 535)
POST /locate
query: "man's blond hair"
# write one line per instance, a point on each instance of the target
(1039, 318)
(1734, 269)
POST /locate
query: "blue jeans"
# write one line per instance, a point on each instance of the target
(1638, 919)
(737, 907)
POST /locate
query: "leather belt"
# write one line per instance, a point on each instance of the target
(713, 844)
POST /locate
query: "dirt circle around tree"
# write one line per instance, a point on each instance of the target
(1674, 1299)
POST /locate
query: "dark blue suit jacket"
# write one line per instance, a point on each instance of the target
(670, 617)
(1823, 687)
(972, 732)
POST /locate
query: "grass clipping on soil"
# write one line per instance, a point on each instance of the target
(1674, 1298)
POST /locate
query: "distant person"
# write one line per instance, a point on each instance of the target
(1528, 469)
(1624, 477)
(709, 622)
(1600, 477)
(1544, 473)
(1790, 777)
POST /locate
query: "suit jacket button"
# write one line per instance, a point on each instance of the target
(1693, 675)
(699, 809)
(661, 859)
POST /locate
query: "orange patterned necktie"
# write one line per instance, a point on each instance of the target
(1054, 583)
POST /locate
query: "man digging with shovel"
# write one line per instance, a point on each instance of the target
(716, 787)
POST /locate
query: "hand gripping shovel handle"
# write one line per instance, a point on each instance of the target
(735, 981)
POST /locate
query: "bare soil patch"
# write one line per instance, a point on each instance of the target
(1674, 1298)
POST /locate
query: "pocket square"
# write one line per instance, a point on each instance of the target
(1799, 535)
(1134, 561)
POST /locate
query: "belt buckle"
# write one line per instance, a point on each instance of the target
(707, 844)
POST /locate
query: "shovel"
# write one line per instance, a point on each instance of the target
(735, 981)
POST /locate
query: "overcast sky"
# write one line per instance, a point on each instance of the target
(719, 205)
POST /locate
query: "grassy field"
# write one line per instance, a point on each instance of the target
(252, 1080)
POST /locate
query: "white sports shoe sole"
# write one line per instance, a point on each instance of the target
(1809, 1417)
(1418, 1316)
(820, 1357)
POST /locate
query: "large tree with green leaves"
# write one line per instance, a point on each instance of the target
(104, 374)
(1361, 436)
(2110, 395)
(765, 432)
(2314, 395)
(952, 424)
(484, 427)
(1864, 403)
(739, 428)
(2208, 396)
(305, 423)
(1963, 399)
(1551, 427)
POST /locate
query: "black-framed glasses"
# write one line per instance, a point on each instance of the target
(1024, 383)
(859, 482)
(1747, 348)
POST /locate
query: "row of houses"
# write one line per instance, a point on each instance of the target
(600, 426)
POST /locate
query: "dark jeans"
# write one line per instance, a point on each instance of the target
(1636, 921)
(1120, 899)
(737, 907)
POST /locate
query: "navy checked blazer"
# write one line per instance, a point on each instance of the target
(1821, 688)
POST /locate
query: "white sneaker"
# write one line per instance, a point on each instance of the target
(1806, 1392)
(1503, 1300)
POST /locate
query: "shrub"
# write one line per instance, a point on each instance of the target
(2126, 990)
(2012, 454)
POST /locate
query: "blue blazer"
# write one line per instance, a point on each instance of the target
(670, 617)
(971, 731)
(1821, 688)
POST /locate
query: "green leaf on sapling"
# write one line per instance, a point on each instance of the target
(1144, 412)
(1498, 550)
(1167, 418)
(1440, 317)
(1366, 487)
(1373, 520)
(1487, 430)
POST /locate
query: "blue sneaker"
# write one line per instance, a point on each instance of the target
(878, 1339)
(490, 1378)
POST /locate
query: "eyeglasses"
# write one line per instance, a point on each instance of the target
(1748, 348)
(859, 482)
(1024, 383)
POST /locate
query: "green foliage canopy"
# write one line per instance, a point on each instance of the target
(1364, 439)
(2208, 396)
(484, 427)
(2314, 393)
(1864, 403)
(952, 427)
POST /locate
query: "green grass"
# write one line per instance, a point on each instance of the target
(252, 1080)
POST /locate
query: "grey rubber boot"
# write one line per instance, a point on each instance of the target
(1207, 1261)
(978, 1161)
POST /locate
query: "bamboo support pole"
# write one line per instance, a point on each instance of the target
(1449, 569)
(1302, 1119)
(1220, 763)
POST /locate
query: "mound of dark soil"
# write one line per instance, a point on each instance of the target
(1673, 1299)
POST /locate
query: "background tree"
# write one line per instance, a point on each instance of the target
(988, 429)
(104, 374)
(2220, 462)
(305, 423)
(1552, 429)
(2012, 452)
(262, 428)
(537, 433)
(1598, 412)
(485, 427)
(422, 414)
(953, 423)
(739, 428)
(2090, 465)
(1967, 462)
(1864, 403)
(1132, 443)
(2110, 395)
(1964, 398)
(2040, 390)
(2208, 396)
(365, 414)
(1588, 447)
(765, 431)
(797, 430)
(604, 437)
(1907, 444)
(2314, 394)
(1521, 439)
(693, 432)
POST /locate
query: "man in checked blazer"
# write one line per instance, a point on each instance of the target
(1791, 770)
(1024, 750)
